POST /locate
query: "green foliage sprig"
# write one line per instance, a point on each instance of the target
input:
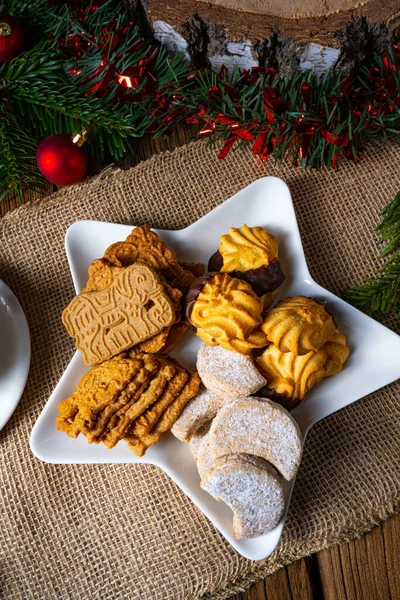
(381, 293)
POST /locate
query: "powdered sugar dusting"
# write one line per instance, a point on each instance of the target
(251, 487)
(262, 428)
(201, 409)
(228, 373)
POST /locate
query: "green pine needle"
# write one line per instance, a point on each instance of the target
(381, 293)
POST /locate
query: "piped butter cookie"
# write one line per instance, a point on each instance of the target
(298, 325)
(251, 254)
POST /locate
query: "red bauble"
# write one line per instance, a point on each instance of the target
(60, 160)
(13, 38)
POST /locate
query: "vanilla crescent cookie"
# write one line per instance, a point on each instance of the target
(227, 312)
(337, 353)
(262, 428)
(197, 437)
(289, 374)
(201, 409)
(298, 325)
(252, 488)
(228, 373)
(204, 458)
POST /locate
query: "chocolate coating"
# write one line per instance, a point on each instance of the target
(271, 394)
(193, 293)
(263, 280)
(216, 262)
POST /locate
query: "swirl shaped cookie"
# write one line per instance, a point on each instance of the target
(251, 487)
(251, 254)
(291, 375)
(106, 322)
(298, 325)
(261, 428)
(227, 312)
(337, 353)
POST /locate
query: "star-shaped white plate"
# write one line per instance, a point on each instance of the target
(266, 202)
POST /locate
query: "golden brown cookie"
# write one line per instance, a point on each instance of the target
(337, 353)
(227, 312)
(291, 375)
(298, 325)
(251, 254)
(247, 248)
(135, 396)
(139, 443)
(144, 246)
(134, 308)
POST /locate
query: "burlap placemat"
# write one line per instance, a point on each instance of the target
(126, 531)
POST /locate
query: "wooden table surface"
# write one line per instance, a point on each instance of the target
(365, 569)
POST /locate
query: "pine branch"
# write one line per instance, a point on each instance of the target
(381, 293)
(17, 157)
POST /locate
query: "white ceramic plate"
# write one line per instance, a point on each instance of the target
(15, 353)
(266, 202)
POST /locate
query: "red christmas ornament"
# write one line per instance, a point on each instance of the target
(13, 38)
(61, 158)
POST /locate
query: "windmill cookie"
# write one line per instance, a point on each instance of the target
(201, 409)
(262, 428)
(252, 488)
(106, 322)
(228, 373)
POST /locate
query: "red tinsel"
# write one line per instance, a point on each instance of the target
(297, 127)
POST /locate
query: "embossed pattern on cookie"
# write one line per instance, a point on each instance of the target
(134, 308)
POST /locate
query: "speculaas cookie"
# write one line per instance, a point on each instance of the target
(134, 396)
(134, 308)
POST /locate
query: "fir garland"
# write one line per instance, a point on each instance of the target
(381, 293)
(91, 67)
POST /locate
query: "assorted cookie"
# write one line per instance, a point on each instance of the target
(134, 308)
(261, 428)
(199, 411)
(228, 373)
(251, 487)
(290, 376)
(227, 312)
(131, 397)
(251, 254)
(298, 325)
(253, 364)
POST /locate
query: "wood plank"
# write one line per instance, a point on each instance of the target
(300, 580)
(277, 586)
(331, 574)
(391, 542)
